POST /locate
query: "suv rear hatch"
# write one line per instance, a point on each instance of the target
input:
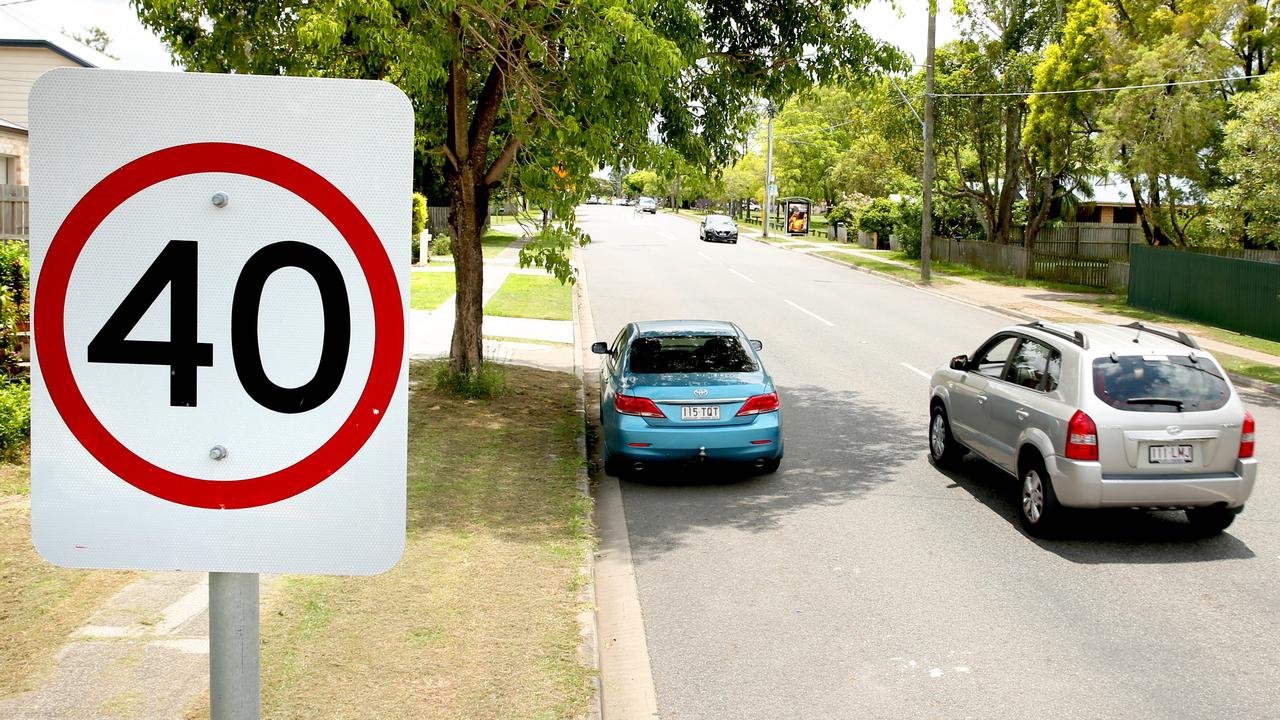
(1165, 415)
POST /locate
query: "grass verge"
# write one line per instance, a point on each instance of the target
(491, 244)
(860, 261)
(1119, 305)
(532, 296)
(1248, 368)
(428, 290)
(972, 273)
(40, 605)
(478, 620)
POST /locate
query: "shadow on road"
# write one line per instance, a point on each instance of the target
(1102, 536)
(838, 447)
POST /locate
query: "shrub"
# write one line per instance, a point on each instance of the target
(879, 217)
(908, 227)
(440, 245)
(418, 223)
(15, 419)
(15, 282)
(847, 210)
(487, 382)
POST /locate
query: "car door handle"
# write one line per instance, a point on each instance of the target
(1022, 414)
(982, 399)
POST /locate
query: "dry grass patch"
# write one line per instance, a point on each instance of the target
(479, 618)
(40, 605)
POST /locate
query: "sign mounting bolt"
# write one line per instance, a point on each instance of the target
(217, 452)
(220, 199)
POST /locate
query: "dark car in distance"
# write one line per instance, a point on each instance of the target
(718, 228)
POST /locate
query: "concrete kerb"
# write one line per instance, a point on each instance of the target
(589, 650)
(626, 679)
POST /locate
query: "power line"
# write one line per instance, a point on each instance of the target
(15, 2)
(1095, 90)
(818, 130)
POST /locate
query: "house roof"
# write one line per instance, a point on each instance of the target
(1114, 190)
(6, 126)
(17, 30)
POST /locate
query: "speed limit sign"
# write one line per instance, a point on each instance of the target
(220, 274)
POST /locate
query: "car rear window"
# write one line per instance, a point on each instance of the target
(1159, 383)
(690, 354)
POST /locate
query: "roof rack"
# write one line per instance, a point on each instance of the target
(1076, 337)
(1180, 337)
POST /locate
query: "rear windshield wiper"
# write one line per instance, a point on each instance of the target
(1155, 401)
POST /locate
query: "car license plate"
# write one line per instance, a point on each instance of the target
(700, 412)
(1161, 454)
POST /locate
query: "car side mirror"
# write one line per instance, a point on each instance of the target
(960, 362)
(600, 348)
(756, 344)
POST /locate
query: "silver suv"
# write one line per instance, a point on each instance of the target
(1094, 416)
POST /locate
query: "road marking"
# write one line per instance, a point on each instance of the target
(917, 371)
(811, 314)
(744, 277)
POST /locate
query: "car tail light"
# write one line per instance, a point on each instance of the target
(1082, 437)
(1246, 436)
(757, 404)
(631, 405)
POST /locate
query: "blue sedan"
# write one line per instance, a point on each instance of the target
(687, 391)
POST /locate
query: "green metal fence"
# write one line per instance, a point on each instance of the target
(1239, 295)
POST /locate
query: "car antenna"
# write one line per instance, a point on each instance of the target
(1114, 359)
(1135, 337)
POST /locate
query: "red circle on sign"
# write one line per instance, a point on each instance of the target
(51, 345)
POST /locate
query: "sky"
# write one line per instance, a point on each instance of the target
(904, 26)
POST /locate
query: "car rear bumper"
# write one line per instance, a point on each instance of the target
(728, 443)
(1083, 485)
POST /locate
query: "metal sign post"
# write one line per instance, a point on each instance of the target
(234, 676)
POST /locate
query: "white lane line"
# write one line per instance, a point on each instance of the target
(811, 314)
(744, 277)
(917, 371)
(703, 255)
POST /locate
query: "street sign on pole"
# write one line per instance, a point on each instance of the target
(219, 382)
(220, 276)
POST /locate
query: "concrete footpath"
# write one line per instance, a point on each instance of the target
(550, 342)
(145, 654)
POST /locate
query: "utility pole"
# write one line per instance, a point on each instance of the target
(926, 204)
(768, 179)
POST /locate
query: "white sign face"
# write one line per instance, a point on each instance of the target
(219, 267)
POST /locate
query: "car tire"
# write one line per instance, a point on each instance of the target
(611, 464)
(1210, 520)
(1038, 506)
(771, 466)
(943, 448)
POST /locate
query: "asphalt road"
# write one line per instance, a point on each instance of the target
(860, 581)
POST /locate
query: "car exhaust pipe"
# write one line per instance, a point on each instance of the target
(759, 463)
(638, 466)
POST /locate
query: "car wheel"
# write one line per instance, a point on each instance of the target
(1039, 510)
(770, 466)
(943, 447)
(1210, 520)
(611, 464)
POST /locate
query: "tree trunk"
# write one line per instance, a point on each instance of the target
(1009, 190)
(468, 214)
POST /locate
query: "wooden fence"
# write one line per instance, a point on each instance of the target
(438, 221)
(1005, 259)
(15, 217)
(1096, 272)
